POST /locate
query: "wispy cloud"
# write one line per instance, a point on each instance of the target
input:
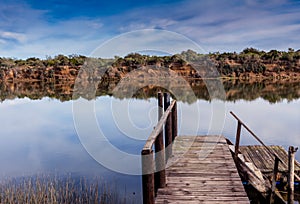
(227, 26)
(214, 25)
(13, 36)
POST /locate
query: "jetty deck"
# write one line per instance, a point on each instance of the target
(210, 169)
(201, 170)
(264, 161)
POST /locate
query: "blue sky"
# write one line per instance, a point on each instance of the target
(42, 28)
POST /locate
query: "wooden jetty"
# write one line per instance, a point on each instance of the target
(209, 169)
(201, 170)
(263, 165)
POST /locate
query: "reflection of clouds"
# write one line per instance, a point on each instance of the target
(198, 118)
(134, 118)
(40, 136)
(15, 102)
(275, 124)
(189, 119)
(125, 118)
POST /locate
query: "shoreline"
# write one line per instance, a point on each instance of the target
(235, 89)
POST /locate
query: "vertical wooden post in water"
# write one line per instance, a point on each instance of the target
(273, 187)
(148, 177)
(168, 128)
(291, 175)
(160, 175)
(237, 139)
(174, 122)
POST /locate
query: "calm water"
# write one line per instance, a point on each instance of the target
(39, 136)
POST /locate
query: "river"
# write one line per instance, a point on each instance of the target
(38, 135)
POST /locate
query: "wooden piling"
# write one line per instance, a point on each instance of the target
(148, 177)
(237, 139)
(152, 181)
(168, 128)
(166, 101)
(160, 175)
(174, 122)
(291, 174)
(273, 187)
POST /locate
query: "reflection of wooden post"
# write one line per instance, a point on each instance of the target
(291, 175)
(160, 179)
(148, 177)
(168, 128)
(237, 139)
(275, 172)
(174, 121)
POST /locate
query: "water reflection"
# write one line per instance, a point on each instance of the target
(270, 90)
(39, 136)
(41, 132)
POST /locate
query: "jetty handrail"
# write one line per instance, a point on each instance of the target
(158, 128)
(276, 160)
(153, 162)
(238, 135)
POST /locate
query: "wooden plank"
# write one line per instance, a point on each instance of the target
(203, 198)
(197, 202)
(197, 179)
(207, 194)
(202, 170)
(264, 161)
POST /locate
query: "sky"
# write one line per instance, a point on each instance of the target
(34, 28)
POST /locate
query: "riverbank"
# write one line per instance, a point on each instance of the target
(247, 65)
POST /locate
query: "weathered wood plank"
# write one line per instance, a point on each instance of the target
(264, 161)
(203, 198)
(201, 170)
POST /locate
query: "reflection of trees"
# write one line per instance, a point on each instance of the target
(272, 91)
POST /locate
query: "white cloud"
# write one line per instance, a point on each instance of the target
(214, 25)
(13, 35)
(220, 25)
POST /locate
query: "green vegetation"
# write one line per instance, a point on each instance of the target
(253, 60)
(250, 60)
(257, 72)
(59, 60)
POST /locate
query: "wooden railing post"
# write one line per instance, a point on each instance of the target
(273, 187)
(291, 168)
(174, 122)
(160, 174)
(160, 105)
(148, 177)
(153, 169)
(168, 128)
(237, 139)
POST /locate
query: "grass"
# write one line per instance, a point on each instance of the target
(48, 189)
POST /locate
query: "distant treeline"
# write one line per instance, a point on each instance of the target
(250, 60)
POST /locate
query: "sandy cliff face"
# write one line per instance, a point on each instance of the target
(26, 73)
(69, 73)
